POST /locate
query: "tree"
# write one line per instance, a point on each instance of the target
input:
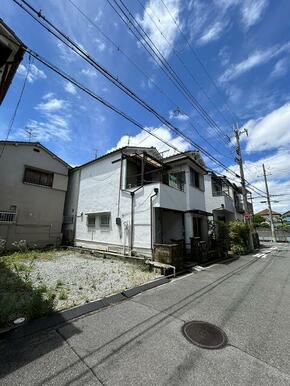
(258, 219)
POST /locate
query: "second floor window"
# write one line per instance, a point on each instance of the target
(38, 177)
(177, 180)
(194, 178)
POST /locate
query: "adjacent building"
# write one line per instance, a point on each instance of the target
(265, 214)
(132, 198)
(12, 51)
(286, 217)
(32, 193)
(223, 199)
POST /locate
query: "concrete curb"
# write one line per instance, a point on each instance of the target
(144, 287)
(59, 318)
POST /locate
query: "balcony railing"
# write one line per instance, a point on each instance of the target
(219, 193)
(7, 217)
(154, 176)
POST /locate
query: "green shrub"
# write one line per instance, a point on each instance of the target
(223, 235)
(283, 227)
(238, 235)
(63, 295)
(41, 303)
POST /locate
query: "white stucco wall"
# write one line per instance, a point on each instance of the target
(99, 191)
(215, 202)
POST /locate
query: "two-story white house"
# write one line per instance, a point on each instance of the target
(131, 198)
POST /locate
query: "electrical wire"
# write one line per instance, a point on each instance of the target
(77, 49)
(17, 106)
(162, 92)
(200, 61)
(162, 62)
(42, 20)
(182, 62)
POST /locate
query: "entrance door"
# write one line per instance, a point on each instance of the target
(197, 229)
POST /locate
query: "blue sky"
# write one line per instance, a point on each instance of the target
(244, 45)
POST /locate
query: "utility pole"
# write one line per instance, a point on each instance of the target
(269, 205)
(239, 160)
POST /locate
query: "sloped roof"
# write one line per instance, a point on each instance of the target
(119, 150)
(193, 156)
(35, 144)
(265, 212)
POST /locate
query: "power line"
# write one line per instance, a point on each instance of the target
(182, 62)
(165, 66)
(83, 54)
(17, 106)
(80, 51)
(173, 103)
(200, 61)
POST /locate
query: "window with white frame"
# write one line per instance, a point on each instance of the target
(105, 220)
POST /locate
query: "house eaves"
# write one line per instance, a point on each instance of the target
(123, 150)
(12, 51)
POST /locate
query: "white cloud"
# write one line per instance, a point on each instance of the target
(144, 139)
(98, 15)
(212, 33)
(52, 127)
(178, 115)
(53, 120)
(256, 59)
(51, 105)
(34, 74)
(100, 44)
(89, 72)
(252, 11)
(154, 9)
(70, 88)
(207, 20)
(66, 54)
(271, 131)
(280, 69)
(278, 178)
(49, 95)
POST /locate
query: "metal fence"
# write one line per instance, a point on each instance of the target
(7, 217)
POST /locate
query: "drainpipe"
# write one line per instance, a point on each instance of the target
(132, 221)
(156, 190)
(132, 193)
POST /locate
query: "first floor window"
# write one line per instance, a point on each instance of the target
(91, 221)
(105, 220)
(38, 177)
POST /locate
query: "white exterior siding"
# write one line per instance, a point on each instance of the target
(96, 191)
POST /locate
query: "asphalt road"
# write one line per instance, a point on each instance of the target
(140, 341)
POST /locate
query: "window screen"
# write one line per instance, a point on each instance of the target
(34, 176)
(105, 220)
(194, 178)
(91, 222)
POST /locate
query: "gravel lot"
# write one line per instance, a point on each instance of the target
(81, 278)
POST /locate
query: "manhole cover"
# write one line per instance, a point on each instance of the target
(204, 334)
